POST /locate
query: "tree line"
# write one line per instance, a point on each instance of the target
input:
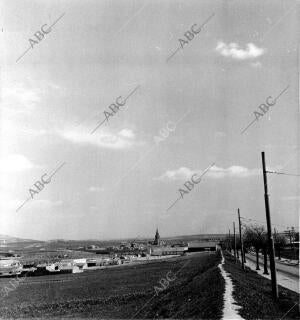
(255, 239)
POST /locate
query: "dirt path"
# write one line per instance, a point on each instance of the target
(230, 310)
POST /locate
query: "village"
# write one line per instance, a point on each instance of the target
(93, 257)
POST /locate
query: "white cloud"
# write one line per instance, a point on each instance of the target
(15, 163)
(96, 189)
(184, 173)
(233, 171)
(18, 97)
(127, 133)
(234, 51)
(179, 174)
(123, 139)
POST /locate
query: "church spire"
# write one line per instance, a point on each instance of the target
(157, 238)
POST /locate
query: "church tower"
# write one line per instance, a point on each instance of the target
(157, 238)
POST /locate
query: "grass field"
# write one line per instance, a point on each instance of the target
(124, 292)
(253, 293)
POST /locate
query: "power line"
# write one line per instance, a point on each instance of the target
(286, 174)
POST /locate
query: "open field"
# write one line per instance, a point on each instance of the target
(253, 293)
(124, 292)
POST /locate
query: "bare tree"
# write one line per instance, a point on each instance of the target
(279, 242)
(255, 236)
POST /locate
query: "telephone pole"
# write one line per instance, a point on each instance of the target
(235, 256)
(270, 236)
(241, 241)
(229, 242)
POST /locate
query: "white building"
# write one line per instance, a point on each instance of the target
(10, 267)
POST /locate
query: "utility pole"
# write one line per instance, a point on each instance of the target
(270, 236)
(241, 241)
(293, 237)
(229, 242)
(235, 256)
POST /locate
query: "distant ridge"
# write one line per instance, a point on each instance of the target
(10, 239)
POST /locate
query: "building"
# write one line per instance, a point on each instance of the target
(158, 247)
(53, 267)
(203, 246)
(167, 250)
(80, 263)
(10, 267)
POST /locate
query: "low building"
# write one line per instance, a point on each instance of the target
(202, 246)
(53, 267)
(9, 267)
(93, 263)
(167, 250)
(80, 263)
(68, 266)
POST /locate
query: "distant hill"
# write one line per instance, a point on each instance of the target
(9, 239)
(186, 238)
(197, 237)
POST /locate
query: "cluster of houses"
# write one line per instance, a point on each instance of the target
(13, 267)
(123, 247)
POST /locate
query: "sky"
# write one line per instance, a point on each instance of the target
(184, 100)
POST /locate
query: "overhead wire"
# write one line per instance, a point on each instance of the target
(284, 173)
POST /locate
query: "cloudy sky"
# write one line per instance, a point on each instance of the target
(185, 101)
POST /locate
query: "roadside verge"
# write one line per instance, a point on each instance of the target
(253, 293)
